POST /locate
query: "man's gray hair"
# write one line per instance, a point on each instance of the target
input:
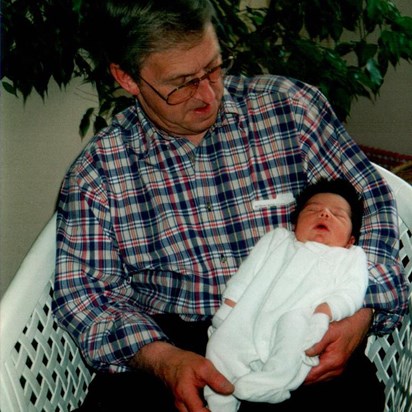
(126, 32)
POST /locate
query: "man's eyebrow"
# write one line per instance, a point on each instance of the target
(178, 76)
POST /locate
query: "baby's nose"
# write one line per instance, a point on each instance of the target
(324, 212)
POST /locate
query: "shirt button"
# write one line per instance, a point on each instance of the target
(209, 207)
(223, 259)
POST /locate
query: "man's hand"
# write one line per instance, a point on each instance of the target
(338, 344)
(185, 373)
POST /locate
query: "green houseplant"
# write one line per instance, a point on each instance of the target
(344, 47)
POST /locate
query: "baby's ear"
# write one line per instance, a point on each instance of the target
(351, 242)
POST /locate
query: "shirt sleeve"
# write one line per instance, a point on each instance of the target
(330, 152)
(93, 298)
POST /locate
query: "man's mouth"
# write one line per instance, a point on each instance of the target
(203, 109)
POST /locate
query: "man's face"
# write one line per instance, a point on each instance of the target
(326, 218)
(170, 69)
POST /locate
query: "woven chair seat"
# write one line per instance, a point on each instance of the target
(41, 368)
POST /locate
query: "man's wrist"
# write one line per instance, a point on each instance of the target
(150, 356)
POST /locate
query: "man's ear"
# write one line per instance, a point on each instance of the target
(124, 79)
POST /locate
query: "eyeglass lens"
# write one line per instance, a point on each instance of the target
(187, 90)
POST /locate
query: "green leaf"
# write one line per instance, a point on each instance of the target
(335, 62)
(77, 4)
(364, 52)
(375, 10)
(375, 74)
(404, 24)
(393, 44)
(362, 82)
(9, 88)
(345, 48)
(99, 124)
(85, 122)
(105, 106)
(343, 101)
(351, 13)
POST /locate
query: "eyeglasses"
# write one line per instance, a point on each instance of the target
(184, 92)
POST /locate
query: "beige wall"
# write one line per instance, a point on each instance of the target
(39, 140)
(387, 122)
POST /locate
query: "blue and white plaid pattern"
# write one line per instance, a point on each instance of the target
(149, 224)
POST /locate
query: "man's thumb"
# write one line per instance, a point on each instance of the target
(221, 385)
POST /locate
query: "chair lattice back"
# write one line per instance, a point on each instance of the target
(41, 368)
(392, 354)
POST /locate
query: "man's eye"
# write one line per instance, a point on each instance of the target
(193, 82)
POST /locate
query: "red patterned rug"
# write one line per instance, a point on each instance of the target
(398, 163)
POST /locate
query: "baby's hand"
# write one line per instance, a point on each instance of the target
(230, 302)
(318, 325)
(324, 308)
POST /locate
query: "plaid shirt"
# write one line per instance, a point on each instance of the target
(150, 224)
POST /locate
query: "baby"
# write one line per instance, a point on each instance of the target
(284, 295)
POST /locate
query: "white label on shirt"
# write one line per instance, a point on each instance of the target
(280, 199)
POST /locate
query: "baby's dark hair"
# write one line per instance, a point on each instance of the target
(339, 187)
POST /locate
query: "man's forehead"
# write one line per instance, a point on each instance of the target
(185, 59)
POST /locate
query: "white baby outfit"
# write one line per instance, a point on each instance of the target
(259, 344)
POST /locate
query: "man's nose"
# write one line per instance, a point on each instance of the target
(205, 91)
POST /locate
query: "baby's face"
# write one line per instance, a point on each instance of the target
(326, 218)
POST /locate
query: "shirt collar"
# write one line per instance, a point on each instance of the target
(144, 137)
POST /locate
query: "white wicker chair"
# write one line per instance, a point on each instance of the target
(41, 368)
(392, 354)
